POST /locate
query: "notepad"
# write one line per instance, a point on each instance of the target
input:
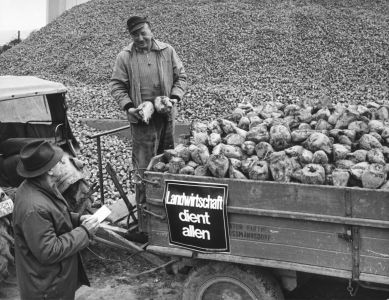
(102, 213)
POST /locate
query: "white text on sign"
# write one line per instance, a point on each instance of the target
(194, 201)
(185, 216)
(190, 231)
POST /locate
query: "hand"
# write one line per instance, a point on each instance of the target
(90, 223)
(84, 217)
(174, 101)
(133, 115)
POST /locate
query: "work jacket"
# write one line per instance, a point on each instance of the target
(47, 243)
(125, 84)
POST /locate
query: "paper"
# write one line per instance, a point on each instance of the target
(102, 213)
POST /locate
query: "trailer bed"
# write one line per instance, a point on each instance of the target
(340, 232)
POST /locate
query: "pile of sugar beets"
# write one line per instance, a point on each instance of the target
(340, 145)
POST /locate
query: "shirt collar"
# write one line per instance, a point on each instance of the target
(156, 46)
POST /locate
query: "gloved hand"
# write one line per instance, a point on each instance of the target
(133, 115)
(174, 101)
(164, 104)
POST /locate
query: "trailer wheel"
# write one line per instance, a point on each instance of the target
(220, 281)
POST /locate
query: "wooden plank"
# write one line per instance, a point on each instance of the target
(315, 217)
(281, 238)
(374, 278)
(275, 230)
(253, 261)
(370, 204)
(116, 229)
(288, 223)
(272, 251)
(119, 210)
(378, 233)
(375, 265)
(174, 251)
(329, 259)
(374, 247)
(170, 251)
(265, 195)
(265, 221)
(308, 216)
(114, 238)
(374, 252)
(291, 237)
(326, 200)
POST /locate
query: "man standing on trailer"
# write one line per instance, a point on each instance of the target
(143, 70)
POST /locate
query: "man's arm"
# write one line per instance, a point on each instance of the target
(179, 77)
(76, 219)
(44, 243)
(119, 82)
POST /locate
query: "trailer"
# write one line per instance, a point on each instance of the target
(250, 239)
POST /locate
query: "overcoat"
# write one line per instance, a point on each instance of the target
(48, 239)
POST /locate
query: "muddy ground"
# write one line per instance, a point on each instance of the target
(111, 274)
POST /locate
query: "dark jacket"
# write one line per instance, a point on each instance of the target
(47, 243)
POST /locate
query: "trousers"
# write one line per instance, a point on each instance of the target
(149, 140)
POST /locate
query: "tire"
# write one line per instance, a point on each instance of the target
(221, 281)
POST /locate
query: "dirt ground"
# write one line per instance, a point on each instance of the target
(111, 275)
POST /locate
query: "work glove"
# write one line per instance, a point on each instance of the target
(174, 99)
(164, 104)
(133, 115)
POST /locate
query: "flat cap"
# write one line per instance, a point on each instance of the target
(135, 22)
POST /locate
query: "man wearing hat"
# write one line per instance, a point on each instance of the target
(48, 237)
(143, 70)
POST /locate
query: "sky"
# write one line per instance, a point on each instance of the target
(23, 15)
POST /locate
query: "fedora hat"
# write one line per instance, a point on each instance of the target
(38, 157)
(135, 22)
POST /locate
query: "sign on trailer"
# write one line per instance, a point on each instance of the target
(197, 215)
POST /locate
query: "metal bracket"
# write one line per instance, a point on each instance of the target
(355, 253)
(161, 217)
(352, 290)
(352, 236)
(347, 236)
(348, 203)
(138, 179)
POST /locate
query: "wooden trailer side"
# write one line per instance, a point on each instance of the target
(300, 227)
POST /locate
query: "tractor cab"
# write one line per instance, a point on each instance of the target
(31, 108)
